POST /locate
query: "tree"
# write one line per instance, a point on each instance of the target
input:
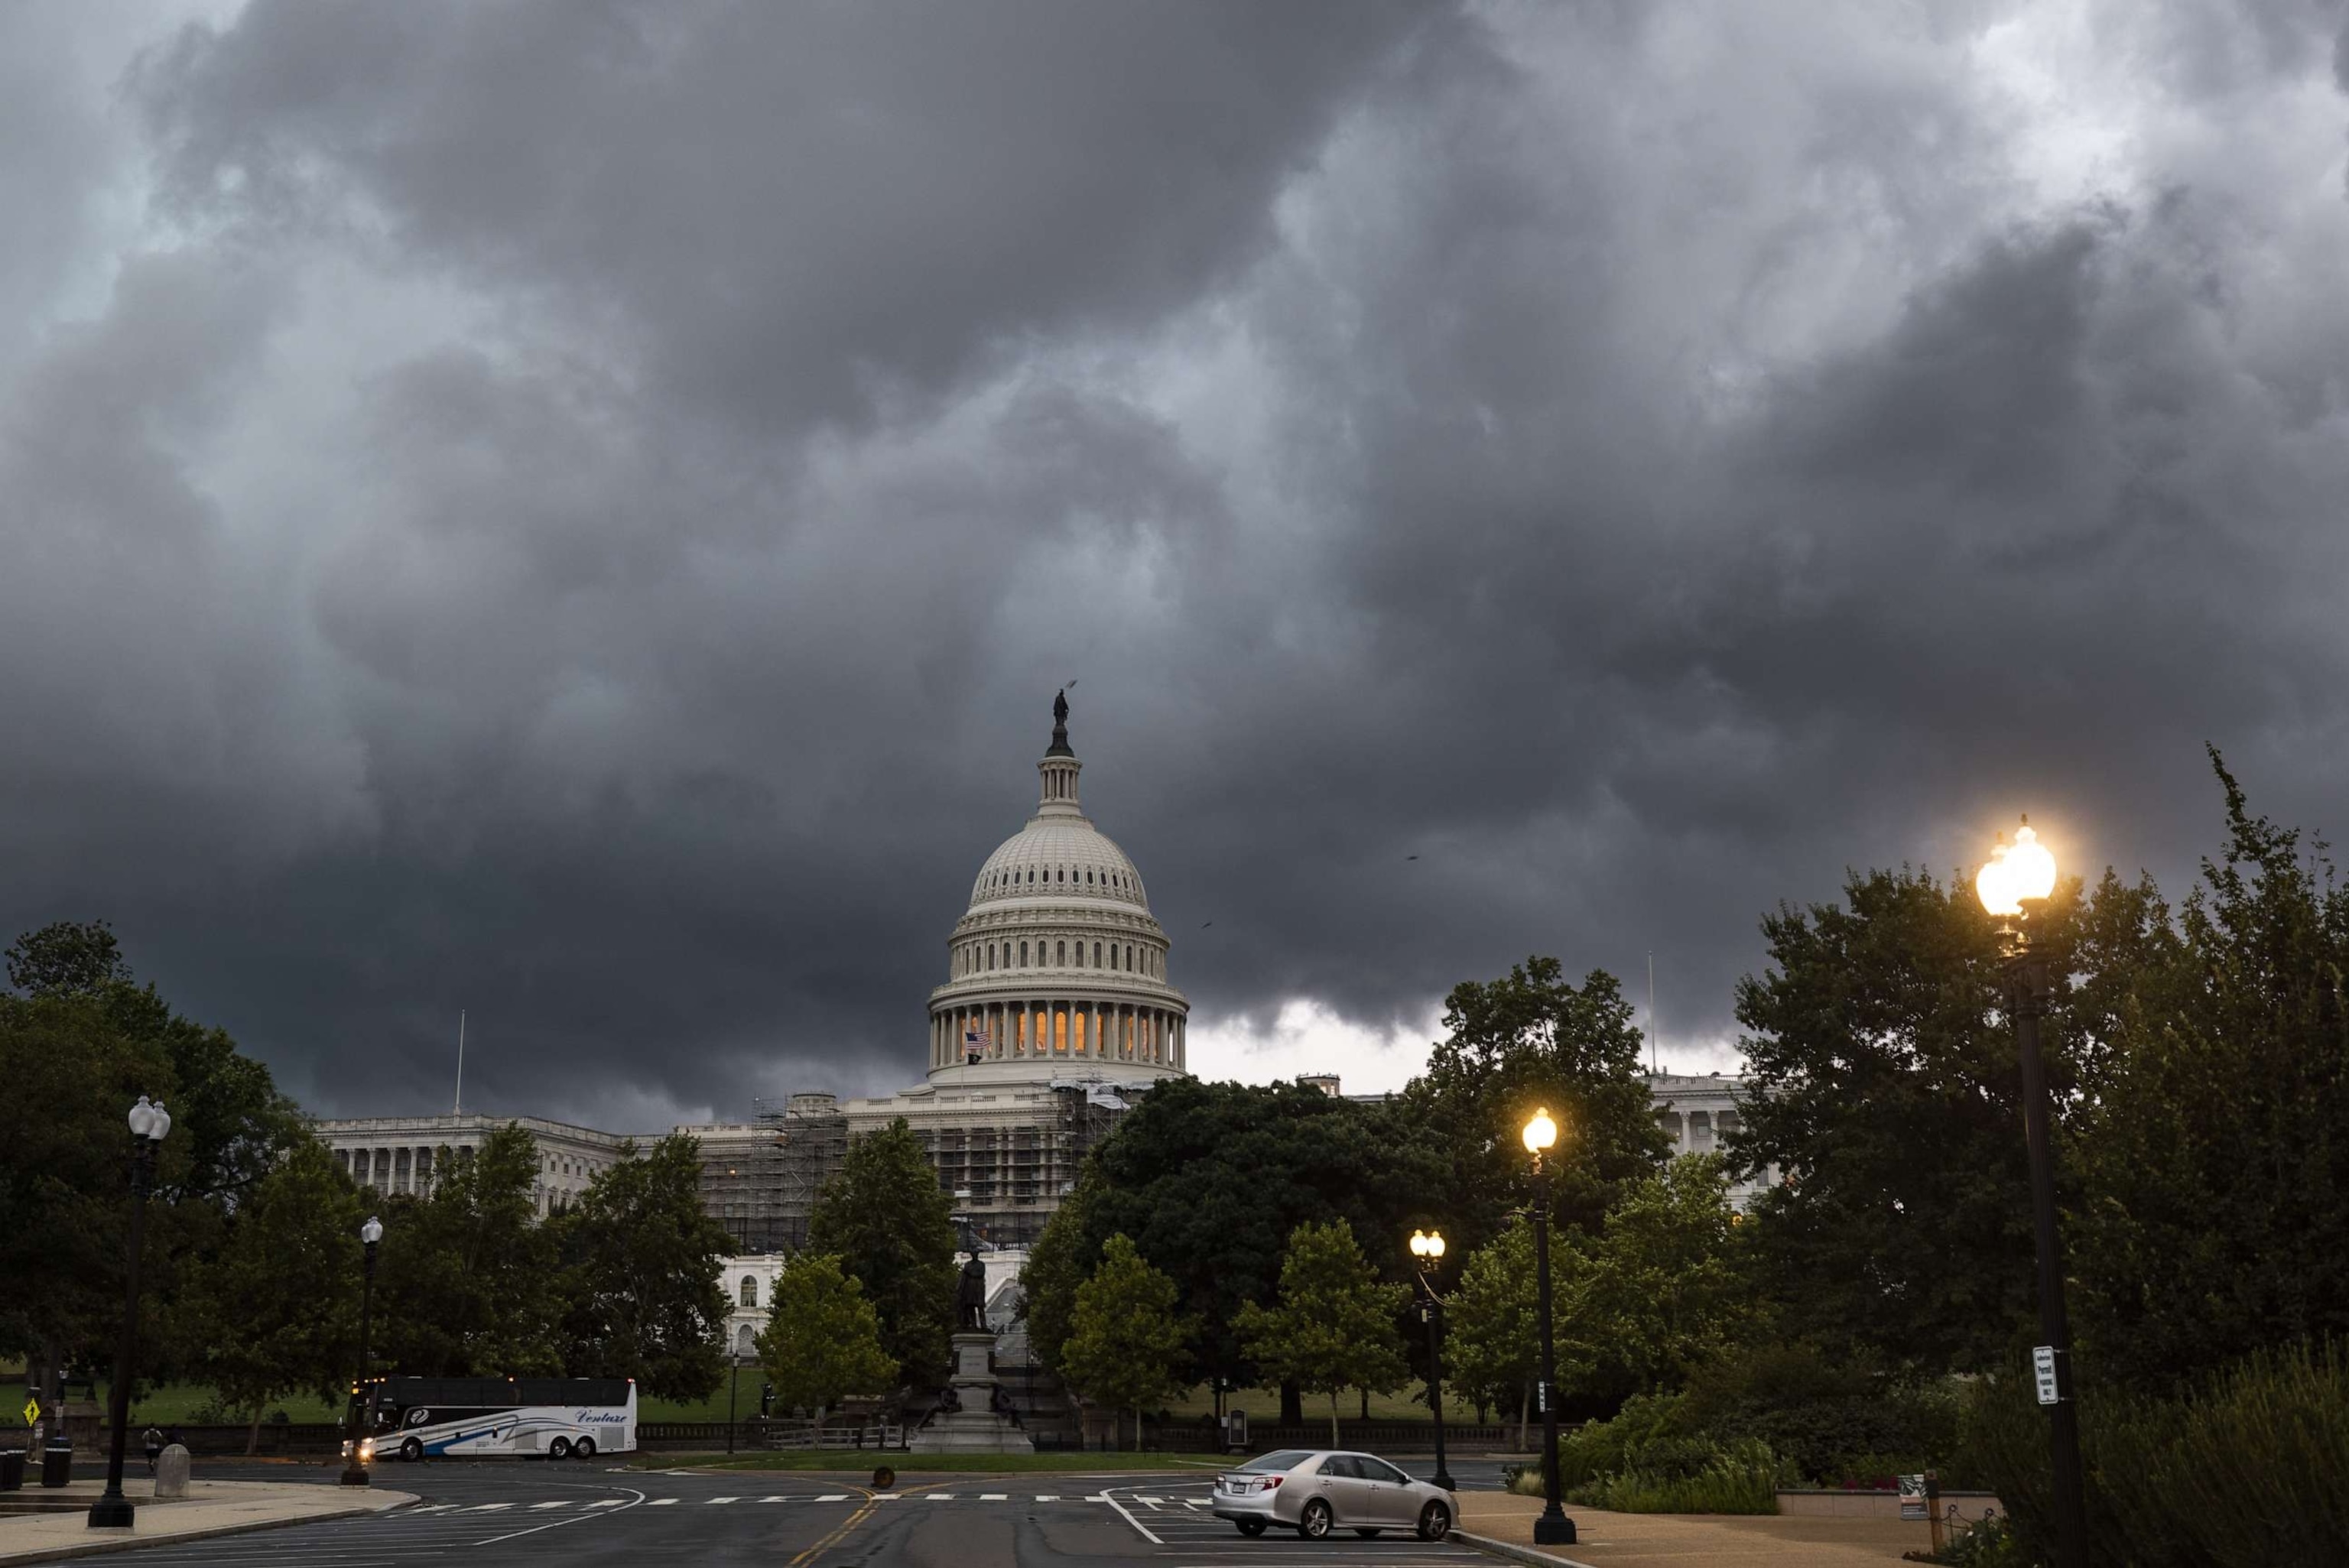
(1335, 1324)
(468, 1278)
(890, 1225)
(823, 1339)
(1126, 1348)
(1883, 1080)
(1491, 1346)
(1664, 1289)
(1049, 1281)
(67, 958)
(277, 1310)
(2212, 1152)
(1209, 1180)
(1531, 1040)
(641, 1287)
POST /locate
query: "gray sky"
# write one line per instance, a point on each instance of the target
(576, 510)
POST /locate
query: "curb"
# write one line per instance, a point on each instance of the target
(1516, 1553)
(137, 1542)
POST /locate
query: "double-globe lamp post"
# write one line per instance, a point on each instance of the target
(2013, 885)
(355, 1466)
(148, 1123)
(1427, 1247)
(1553, 1527)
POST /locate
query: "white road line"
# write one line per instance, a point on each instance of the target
(661, 1503)
(559, 1523)
(994, 1496)
(774, 1500)
(558, 1503)
(834, 1497)
(715, 1500)
(942, 1497)
(609, 1503)
(1137, 1524)
(1048, 1497)
(488, 1507)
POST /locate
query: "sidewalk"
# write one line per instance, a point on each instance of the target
(1696, 1539)
(210, 1508)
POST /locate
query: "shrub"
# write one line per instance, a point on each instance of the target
(2247, 1468)
(1743, 1480)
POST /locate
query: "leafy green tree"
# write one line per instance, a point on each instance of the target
(641, 1289)
(823, 1339)
(1883, 1081)
(1492, 1351)
(2213, 1152)
(1210, 1179)
(1054, 1272)
(1126, 1348)
(276, 1309)
(1532, 1038)
(1664, 1290)
(890, 1225)
(466, 1281)
(67, 958)
(1334, 1326)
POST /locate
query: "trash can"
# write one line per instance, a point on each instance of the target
(12, 1469)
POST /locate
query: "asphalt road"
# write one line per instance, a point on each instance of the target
(526, 1512)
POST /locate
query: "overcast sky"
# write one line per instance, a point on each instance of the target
(576, 510)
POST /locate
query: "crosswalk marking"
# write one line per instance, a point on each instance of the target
(718, 1500)
(608, 1502)
(1048, 1497)
(774, 1500)
(834, 1497)
(994, 1496)
(488, 1507)
(661, 1503)
(942, 1497)
(558, 1503)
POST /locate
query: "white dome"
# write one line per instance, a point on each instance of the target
(1057, 858)
(1056, 965)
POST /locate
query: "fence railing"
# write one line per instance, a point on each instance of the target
(277, 1438)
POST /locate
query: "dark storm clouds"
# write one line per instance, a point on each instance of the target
(578, 511)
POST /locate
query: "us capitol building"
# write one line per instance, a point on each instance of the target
(1056, 1013)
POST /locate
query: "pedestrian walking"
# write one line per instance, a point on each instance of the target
(151, 1439)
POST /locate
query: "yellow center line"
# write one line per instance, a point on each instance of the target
(872, 1502)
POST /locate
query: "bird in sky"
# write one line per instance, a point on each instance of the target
(1204, 927)
(1411, 857)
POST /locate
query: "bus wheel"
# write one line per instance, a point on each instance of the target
(560, 1449)
(413, 1450)
(584, 1448)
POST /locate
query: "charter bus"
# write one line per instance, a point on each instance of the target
(470, 1417)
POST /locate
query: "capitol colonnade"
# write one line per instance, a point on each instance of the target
(1060, 1029)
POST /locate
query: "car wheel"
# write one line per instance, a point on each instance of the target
(560, 1449)
(1435, 1522)
(584, 1448)
(1314, 1522)
(413, 1450)
(1250, 1527)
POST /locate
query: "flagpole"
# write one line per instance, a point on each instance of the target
(459, 1109)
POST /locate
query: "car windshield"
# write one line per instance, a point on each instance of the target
(1282, 1459)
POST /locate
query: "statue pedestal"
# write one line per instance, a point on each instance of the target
(975, 1428)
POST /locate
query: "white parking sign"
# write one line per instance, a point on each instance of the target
(2043, 1368)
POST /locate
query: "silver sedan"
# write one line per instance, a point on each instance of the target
(1317, 1490)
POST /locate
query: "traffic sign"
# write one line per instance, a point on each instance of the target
(32, 1411)
(2042, 1371)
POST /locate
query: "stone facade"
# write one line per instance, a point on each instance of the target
(410, 1154)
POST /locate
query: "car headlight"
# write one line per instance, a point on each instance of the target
(366, 1449)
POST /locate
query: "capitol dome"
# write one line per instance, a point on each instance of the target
(1057, 966)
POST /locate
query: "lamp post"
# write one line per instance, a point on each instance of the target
(733, 1392)
(355, 1468)
(2014, 884)
(1553, 1527)
(148, 1123)
(1427, 1246)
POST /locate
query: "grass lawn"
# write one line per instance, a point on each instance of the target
(851, 1461)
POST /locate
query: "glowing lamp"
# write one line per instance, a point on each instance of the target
(372, 1232)
(1541, 1133)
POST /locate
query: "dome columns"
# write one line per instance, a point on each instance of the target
(1059, 1028)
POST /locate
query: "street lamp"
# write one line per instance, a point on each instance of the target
(148, 1123)
(1553, 1527)
(355, 1468)
(2014, 884)
(1427, 1246)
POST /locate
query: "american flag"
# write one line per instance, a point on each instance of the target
(974, 1042)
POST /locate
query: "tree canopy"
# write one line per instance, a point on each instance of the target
(1126, 1348)
(823, 1339)
(641, 1292)
(1333, 1327)
(468, 1279)
(890, 1225)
